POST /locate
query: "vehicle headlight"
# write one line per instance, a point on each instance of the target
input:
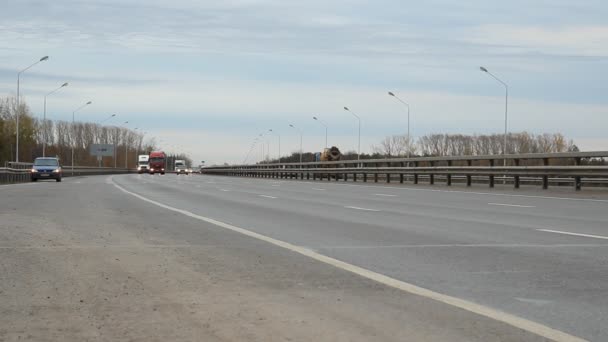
(33, 170)
(57, 170)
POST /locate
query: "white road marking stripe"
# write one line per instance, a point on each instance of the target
(225, 190)
(266, 196)
(318, 189)
(512, 205)
(385, 195)
(460, 245)
(359, 208)
(574, 234)
(518, 322)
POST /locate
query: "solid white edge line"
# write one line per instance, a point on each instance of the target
(512, 205)
(518, 322)
(266, 196)
(574, 234)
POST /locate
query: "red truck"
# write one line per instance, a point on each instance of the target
(157, 162)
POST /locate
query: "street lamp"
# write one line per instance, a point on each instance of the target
(359, 119)
(504, 146)
(278, 135)
(73, 130)
(44, 119)
(325, 125)
(106, 119)
(126, 146)
(409, 149)
(292, 126)
(19, 105)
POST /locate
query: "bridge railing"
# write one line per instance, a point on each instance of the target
(574, 168)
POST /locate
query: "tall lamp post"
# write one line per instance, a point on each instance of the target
(359, 119)
(409, 149)
(74, 131)
(19, 105)
(297, 129)
(279, 136)
(106, 119)
(325, 125)
(504, 146)
(126, 146)
(44, 119)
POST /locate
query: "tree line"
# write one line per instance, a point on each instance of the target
(60, 136)
(440, 145)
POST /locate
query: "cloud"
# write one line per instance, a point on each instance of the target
(238, 66)
(570, 41)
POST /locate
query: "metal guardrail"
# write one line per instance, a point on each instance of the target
(412, 168)
(20, 173)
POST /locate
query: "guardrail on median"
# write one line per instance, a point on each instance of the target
(573, 168)
(18, 173)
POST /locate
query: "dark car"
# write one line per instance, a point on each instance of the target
(46, 168)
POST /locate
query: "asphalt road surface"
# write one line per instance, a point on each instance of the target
(140, 257)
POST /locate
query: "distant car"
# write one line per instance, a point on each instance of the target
(46, 168)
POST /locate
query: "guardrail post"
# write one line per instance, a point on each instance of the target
(449, 176)
(491, 178)
(516, 182)
(354, 177)
(336, 176)
(388, 177)
(345, 177)
(375, 177)
(365, 177)
(415, 178)
(545, 182)
(432, 176)
(469, 180)
(577, 183)
(314, 176)
(401, 178)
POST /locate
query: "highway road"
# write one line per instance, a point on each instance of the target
(218, 258)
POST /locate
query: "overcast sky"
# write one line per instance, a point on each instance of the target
(207, 77)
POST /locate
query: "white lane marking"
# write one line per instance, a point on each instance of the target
(512, 205)
(462, 245)
(225, 190)
(266, 196)
(359, 208)
(318, 189)
(534, 301)
(518, 322)
(574, 234)
(385, 195)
